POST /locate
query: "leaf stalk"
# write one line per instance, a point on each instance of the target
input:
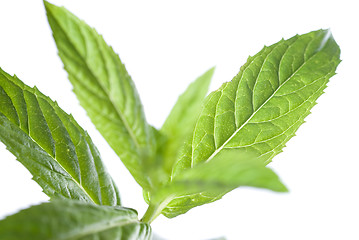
(155, 209)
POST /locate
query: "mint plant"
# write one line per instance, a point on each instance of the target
(208, 145)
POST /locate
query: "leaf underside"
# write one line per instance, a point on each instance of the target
(70, 220)
(52, 146)
(261, 108)
(105, 90)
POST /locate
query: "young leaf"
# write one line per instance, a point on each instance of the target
(225, 172)
(52, 146)
(176, 129)
(182, 119)
(104, 89)
(262, 107)
(74, 220)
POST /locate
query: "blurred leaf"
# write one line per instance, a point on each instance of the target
(181, 121)
(226, 171)
(74, 220)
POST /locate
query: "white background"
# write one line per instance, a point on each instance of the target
(167, 44)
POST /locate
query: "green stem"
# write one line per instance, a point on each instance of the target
(155, 209)
(151, 213)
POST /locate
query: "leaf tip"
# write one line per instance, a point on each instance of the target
(210, 72)
(283, 189)
(47, 5)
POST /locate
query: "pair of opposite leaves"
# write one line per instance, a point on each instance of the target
(228, 138)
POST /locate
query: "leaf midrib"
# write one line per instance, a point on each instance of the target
(118, 112)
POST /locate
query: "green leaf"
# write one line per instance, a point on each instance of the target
(105, 90)
(225, 172)
(74, 220)
(181, 121)
(262, 107)
(52, 146)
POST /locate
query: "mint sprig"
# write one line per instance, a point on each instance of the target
(208, 145)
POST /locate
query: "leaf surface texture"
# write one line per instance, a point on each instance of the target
(52, 146)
